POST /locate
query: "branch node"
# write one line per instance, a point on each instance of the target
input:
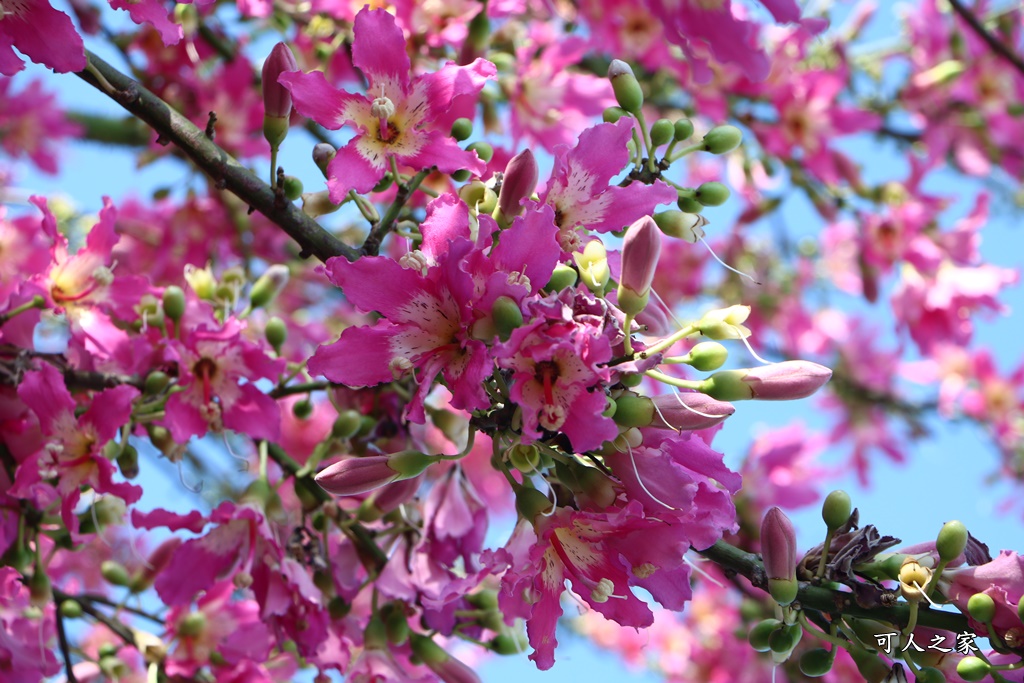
(211, 122)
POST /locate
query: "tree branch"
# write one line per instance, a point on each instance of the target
(218, 164)
(732, 559)
(997, 46)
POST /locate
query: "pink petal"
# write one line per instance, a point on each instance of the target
(360, 358)
(358, 166)
(379, 51)
(44, 392)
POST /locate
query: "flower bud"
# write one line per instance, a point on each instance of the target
(71, 609)
(268, 286)
(302, 409)
(685, 226)
(951, 541)
(815, 663)
(778, 549)
(40, 590)
(316, 204)
(277, 99)
(784, 381)
(633, 411)
(627, 89)
(346, 424)
(462, 128)
(613, 114)
(761, 632)
(662, 132)
(682, 129)
(446, 667)
(507, 316)
(562, 277)
(593, 266)
(530, 503)
(292, 188)
(641, 248)
(201, 280)
(725, 323)
(323, 154)
(913, 578)
(870, 666)
(722, 139)
(155, 383)
(972, 669)
(784, 639)
(483, 150)
(114, 573)
(1020, 608)
(518, 183)
(689, 410)
(929, 674)
(981, 607)
(355, 475)
(836, 509)
(523, 457)
(174, 302)
(712, 194)
(128, 462)
(707, 356)
(276, 333)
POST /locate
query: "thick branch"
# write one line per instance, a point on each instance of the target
(997, 46)
(733, 559)
(218, 164)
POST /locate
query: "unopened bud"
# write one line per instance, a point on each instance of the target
(462, 128)
(815, 663)
(778, 549)
(114, 573)
(722, 139)
(128, 462)
(712, 194)
(633, 411)
(562, 277)
(689, 410)
(951, 541)
(277, 99)
(662, 132)
(627, 89)
(682, 129)
(523, 457)
(276, 333)
(483, 150)
(761, 632)
(972, 669)
(323, 154)
(530, 503)
(836, 509)
(613, 114)
(707, 356)
(292, 188)
(71, 609)
(302, 409)
(786, 381)
(174, 302)
(446, 667)
(725, 323)
(316, 204)
(346, 424)
(641, 249)
(518, 183)
(929, 674)
(981, 607)
(268, 286)
(156, 382)
(356, 475)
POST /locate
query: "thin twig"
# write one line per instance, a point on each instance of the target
(997, 46)
(65, 650)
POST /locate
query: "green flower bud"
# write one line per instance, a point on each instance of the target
(323, 153)
(662, 132)
(712, 194)
(929, 674)
(192, 625)
(275, 129)
(627, 89)
(785, 639)
(633, 411)
(338, 607)
(613, 114)
(113, 667)
(972, 669)
(707, 356)
(346, 424)
(530, 503)
(40, 591)
(302, 409)
(727, 385)
(128, 462)
(461, 176)
(485, 600)
(268, 286)
(276, 333)
(609, 407)
(70, 609)
(114, 573)
(1020, 608)
(483, 150)
(507, 316)
(836, 509)
(951, 541)
(156, 382)
(174, 303)
(562, 277)
(870, 666)
(593, 266)
(462, 129)
(397, 627)
(632, 380)
(504, 644)
(523, 457)
(722, 139)
(981, 607)
(686, 226)
(815, 663)
(688, 204)
(292, 187)
(683, 129)
(759, 635)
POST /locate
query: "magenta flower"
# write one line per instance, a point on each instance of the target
(43, 34)
(72, 450)
(1002, 579)
(33, 124)
(398, 117)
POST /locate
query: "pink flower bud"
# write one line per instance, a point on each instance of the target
(641, 248)
(355, 475)
(689, 410)
(447, 668)
(277, 100)
(778, 549)
(518, 183)
(786, 381)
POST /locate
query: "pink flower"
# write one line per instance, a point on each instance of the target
(26, 653)
(43, 34)
(579, 189)
(1002, 579)
(72, 451)
(33, 124)
(397, 118)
